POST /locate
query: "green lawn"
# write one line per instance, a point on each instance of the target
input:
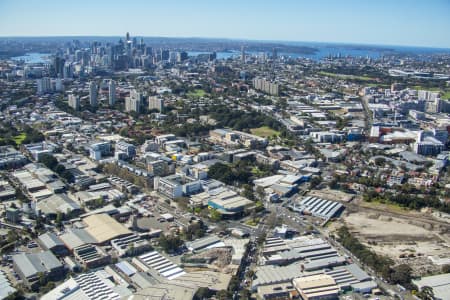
(198, 93)
(344, 76)
(264, 131)
(20, 138)
(419, 87)
(446, 95)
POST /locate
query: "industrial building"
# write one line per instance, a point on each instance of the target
(99, 285)
(162, 265)
(130, 245)
(439, 283)
(11, 158)
(91, 256)
(6, 287)
(50, 241)
(318, 207)
(30, 266)
(104, 228)
(316, 287)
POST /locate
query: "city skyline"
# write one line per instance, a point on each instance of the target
(403, 23)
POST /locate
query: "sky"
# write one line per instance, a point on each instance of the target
(380, 22)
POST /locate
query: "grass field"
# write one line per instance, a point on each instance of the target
(20, 138)
(198, 93)
(344, 76)
(264, 131)
(419, 87)
(446, 95)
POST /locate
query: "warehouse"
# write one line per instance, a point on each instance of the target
(203, 243)
(50, 241)
(439, 283)
(75, 237)
(104, 228)
(29, 266)
(59, 203)
(93, 285)
(316, 287)
(130, 245)
(91, 256)
(162, 265)
(6, 288)
(318, 207)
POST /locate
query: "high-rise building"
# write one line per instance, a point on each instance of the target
(58, 66)
(93, 94)
(155, 103)
(68, 70)
(74, 101)
(133, 102)
(59, 85)
(112, 92)
(266, 86)
(44, 85)
(274, 53)
(243, 54)
(182, 56)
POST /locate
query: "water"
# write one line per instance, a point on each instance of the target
(326, 50)
(220, 55)
(33, 58)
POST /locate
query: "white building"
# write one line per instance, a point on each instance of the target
(74, 101)
(155, 103)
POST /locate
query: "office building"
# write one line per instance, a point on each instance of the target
(112, 93)
(127, 148)
(93, 94)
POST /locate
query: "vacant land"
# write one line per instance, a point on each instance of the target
(405, 241)
(264, 131)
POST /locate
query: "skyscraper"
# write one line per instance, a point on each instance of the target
(93, 94)
(112, 93)
(243, 54)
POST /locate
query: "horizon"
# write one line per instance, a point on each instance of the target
(226, 38)
(394, 23)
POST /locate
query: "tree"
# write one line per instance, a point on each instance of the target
(202, 293)
(215, 215)
(446, 269)
(223, 295)
(401, 274)
(244, 294)
(59, 218)
(48, 160)
(426, 293)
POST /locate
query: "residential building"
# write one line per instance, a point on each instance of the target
(93, 94)
(155, 103)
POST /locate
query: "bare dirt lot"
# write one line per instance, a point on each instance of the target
(403, 240)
